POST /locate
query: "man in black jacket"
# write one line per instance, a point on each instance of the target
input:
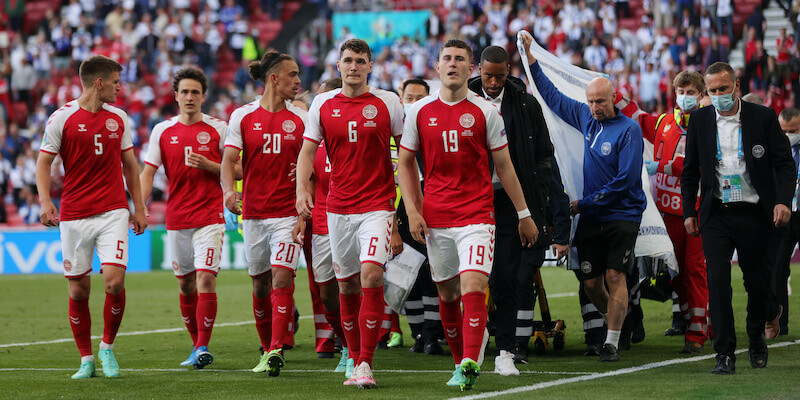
(532, 155)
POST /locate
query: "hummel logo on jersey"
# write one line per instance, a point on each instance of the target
(282, 309)
(259, 313)
(372, 323)
(81, 127)
(173, 140)
(257, 126)
(186, 320)
(432, 122)
(116, 310)
(451, 333)
(208, 322)
(336, 112)
(75, 320)
(348, 326)
(473, 322)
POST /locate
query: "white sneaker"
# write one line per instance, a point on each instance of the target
(365, 379)
(484, 342)
(504, 364)
(353, 379)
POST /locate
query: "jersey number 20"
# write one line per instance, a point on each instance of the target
(272, 143)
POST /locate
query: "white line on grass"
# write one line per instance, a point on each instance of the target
(622, 371)
(170, 330)
(210, 370)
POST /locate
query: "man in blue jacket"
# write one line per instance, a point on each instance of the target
(613, 201)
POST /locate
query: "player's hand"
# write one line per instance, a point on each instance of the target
(232, 202)
(139, 222)
(418, 227)
(573, 207)
(527, 39)
(396, 243)
(293, 172)
(780, 215)
(49, 213)
(528, 232)
(298, 233)
(199, 161)
(651, 166)
(560, 250)
(691, 226)
(305, 203)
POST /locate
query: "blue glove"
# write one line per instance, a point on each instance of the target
(231, 220)
(652, 167)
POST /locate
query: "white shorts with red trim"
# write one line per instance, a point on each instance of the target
(107, 232)
(195, 248)
(321, 258)
(268, 243)
(359, 238)
(452, 251)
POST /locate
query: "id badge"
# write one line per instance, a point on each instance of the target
(731, 188)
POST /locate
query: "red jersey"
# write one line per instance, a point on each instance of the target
(195, 195)
(455, 140)
(91, 145)
(269, 142)
(356, 132)
(322, 177)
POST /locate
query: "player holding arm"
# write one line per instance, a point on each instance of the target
(94, 141)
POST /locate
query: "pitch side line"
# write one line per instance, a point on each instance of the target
(623, 371)
(209, 370)
(181, 329)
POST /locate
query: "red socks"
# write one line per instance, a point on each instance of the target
(282, 314)
(335, 321)
(188, 311)
(81, 323)
(369, 321)
(349, 306)
(206, 314)
(452, 321)
(396, 323)
(262, 309)
(474, 323)
(112, 315)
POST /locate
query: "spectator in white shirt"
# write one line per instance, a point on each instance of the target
(596, 55)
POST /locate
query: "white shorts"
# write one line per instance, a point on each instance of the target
(452, 251)
(196, 248)
(359, 238)
(108, 232)
(321, 260)
(268, 243)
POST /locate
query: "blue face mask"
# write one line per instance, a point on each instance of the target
(724, 102)
(686, 103)
(406, 107)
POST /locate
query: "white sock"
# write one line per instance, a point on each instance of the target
(87, 358)
(613, 338)
(106, 346)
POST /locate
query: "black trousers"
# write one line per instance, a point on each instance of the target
(745, 228)
(532, 260)
(503, 280)
(784, 241)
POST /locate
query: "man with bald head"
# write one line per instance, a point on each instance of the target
(613, 201)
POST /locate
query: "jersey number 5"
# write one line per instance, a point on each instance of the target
(98, 147)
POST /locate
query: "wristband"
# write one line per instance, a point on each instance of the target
(524, 213)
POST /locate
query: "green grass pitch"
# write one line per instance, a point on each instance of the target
(33, 309)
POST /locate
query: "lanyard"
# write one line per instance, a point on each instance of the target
(719, 149)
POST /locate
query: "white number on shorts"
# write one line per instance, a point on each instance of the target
(372, 246)
(210, 257)
(187, 151)
(351, 131)
(121, 252)
(272, 144)
(478, 252)
(98, 147)
(286, 254)
(450, 139)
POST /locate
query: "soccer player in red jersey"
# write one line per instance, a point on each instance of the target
(456, 131)
(94, 141)
(189, 146)
(268, 132)
(355, 123)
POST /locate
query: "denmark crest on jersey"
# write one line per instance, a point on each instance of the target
(289, 126)
(466, 120)
(369, 111)
(67, 265)
(112, 125)
(203, 137)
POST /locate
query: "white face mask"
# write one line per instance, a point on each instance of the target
(406, 107)
(794, 138)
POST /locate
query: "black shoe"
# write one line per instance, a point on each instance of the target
(520, 354)
(325, 354)
(433, 348)
(592, 350)
(784, 331)
(757, 352)
(726, 365)
(337, 345)
(418, 347)
(381, 345)
(609, 353)
(692, 348)
(624, 344)
(637, 336)
(678, 327)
